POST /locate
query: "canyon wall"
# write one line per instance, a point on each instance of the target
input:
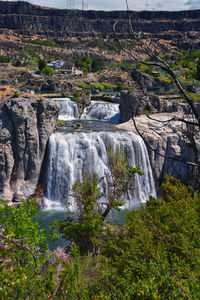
(26, 125)
(167, 143)
(179, 28)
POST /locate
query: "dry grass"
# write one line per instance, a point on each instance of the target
(6, 91)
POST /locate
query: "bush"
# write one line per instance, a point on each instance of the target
(98, 64)
(40, 42)
(155, 255)
(4, 59)
(103, 86)
(84, 63)
(195, 97)
(121, 86)
(47, 71)
(146, 69)
(83, 85)
(16, 94)
(77, 96)
(17, 63)
(61, 123)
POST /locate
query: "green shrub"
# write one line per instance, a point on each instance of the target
(84, 63)
(155, 255)
(40, 42)
(130, 89)
(97, 86)
(82, 85)
(146, 69)
(98, 64)
(16, 94)
(17, 63)
(103, 86)
(194, 97)
(61, 123)
(4, 59)
(47, 70)
(121, 86)
(77, 97)
(146, 112)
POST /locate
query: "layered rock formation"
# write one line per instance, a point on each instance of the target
(26, 124)
(136, 103)
(168, 140)
(182, 27)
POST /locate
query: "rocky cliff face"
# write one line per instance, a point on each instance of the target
(166, 138)
(137, 103)
(26, 125)
(182, 27)
(169, 141)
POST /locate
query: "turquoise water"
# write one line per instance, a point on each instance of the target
(45, 219)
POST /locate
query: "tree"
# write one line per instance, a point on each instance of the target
(47, 70)
(28, 270)
(84, 63)
(41, 64)
(23, 253)
(98, 64)
(155, 253)
(139, 52)
(86, 225)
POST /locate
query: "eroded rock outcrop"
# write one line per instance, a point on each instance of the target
(168, 140)
(136, 103)
(26, 124)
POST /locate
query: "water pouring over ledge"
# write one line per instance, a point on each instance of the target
(97, 110)
(73, 152)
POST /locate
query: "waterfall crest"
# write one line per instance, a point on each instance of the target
(68, 109)
(73, 153)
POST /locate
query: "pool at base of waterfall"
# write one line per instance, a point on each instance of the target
(46, 217)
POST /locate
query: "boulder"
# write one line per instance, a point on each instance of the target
(26, 125)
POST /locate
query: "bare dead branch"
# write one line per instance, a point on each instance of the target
(162, 155)
(174, 118)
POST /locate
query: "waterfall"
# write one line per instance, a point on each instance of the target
(97, 110)
(68, 109)
(104, 111)
(73, 153)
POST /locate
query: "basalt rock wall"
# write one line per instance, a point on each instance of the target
(166, 144)
(183, 26)
(137, 103)
(26, 125)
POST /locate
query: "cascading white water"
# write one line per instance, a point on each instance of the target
(74, 153)
(104, 111)
(97, 110)
(68, 109)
